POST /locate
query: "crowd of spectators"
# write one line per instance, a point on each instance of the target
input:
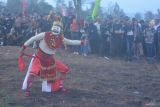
(128, 38)
(15, 29)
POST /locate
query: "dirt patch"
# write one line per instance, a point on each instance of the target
(92, 82)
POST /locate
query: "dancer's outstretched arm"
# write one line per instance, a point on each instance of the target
(37, 37)
(72, 42)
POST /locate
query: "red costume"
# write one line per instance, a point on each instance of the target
(44, 63)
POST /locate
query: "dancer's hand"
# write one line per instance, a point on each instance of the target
(63, 75)
(82, 42)
(22, 50)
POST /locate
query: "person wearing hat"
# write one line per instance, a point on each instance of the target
(44, 64)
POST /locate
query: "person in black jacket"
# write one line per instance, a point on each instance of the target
(105, 39)
(129, 40)
(93, 38)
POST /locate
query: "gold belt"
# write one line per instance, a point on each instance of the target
(47, 68)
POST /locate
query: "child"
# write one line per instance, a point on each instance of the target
(85, 48)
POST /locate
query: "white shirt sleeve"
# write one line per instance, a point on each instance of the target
(38, 37)
(71, 42)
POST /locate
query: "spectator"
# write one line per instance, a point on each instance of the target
(85, 48)
(44, 24)
(117, 37)
(138, 49)
(75, 35)
(157, 39)
(129, 40)
(18, 21)
(149, 41)
(105, 39)
(93, 38)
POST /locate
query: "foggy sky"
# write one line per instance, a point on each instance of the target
(129, 6)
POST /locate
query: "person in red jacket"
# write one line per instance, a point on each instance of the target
(75, 35)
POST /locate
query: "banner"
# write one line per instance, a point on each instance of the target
(63, 11)
(95, 10)
(23, 7)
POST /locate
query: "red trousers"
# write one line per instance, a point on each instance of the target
(46, 66)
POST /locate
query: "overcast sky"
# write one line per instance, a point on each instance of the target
(130, 6)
